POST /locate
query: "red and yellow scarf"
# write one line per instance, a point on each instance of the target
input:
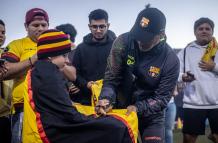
(210, 51)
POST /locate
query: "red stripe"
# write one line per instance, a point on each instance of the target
(54, 49)
(38, 119)
(52, 37)
(214, 44)
(126, 123)
(10, 55)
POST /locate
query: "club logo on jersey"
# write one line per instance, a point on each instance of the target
(130, 60)
(144, 22)
(154, 71)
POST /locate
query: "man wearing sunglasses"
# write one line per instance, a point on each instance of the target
(91, 55)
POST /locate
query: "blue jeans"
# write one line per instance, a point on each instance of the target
(17, 124)
(169, 122)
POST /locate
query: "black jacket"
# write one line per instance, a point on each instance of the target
(148, 77)
(60, 121)
(90, 60)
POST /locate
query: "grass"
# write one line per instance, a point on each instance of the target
(177, 137)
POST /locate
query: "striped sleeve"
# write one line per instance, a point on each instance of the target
(13, 52)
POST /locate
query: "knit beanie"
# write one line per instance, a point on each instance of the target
(52, 43)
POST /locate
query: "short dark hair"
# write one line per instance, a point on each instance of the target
(68, 29)
(203, 20)
(98, 14)
(2, 22)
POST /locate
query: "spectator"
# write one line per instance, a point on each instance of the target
(5, 126)
(90, 58)
(21, 55)
(70, 30)
(2, 36)
(201, 77)
(170, 118)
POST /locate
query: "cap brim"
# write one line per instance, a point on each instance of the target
(139, 34)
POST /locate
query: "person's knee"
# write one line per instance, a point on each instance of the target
(168, 132)
(215, 138)
(153, 136)
(187, 138)
(169, 126)
(153, 139)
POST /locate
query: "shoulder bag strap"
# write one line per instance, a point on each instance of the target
(184, 59)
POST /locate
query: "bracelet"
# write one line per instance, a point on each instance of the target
(31, 64)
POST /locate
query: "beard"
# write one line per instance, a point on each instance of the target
(99, 37)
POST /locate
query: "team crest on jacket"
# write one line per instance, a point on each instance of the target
(144, 22)
(154, 71)
(130, 61)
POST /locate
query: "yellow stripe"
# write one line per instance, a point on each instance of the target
(49, 46)
(210, 51)
(50, 34)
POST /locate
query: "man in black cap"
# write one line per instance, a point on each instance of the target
(146, 69)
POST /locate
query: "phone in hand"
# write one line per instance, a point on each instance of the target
(2, 61)
(190, 75)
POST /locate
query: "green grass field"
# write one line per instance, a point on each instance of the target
(177, 137)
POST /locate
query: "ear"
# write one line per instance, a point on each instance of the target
(108, 25)
(89, 25)
(195, 33)
(26, 26)
(49, 59)
(163, 36)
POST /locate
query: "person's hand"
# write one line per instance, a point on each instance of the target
(175, 91)
(103, 106)
(3, 71)
(89, 84)
(188, 77)
(73, 89)
(69, 72)
(207, 66)
(33, 59)
(73, 104)
(130, 109)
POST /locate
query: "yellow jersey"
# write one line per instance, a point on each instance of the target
(19, 50)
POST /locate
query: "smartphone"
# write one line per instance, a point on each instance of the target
(191, 75)
(2, 61)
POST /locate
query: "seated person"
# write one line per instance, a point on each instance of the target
(48, 112)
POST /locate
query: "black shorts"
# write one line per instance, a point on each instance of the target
(195, 120)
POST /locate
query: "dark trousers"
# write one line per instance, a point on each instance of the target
(152, 128)
(5, 129)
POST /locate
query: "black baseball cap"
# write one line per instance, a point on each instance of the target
(149, 22)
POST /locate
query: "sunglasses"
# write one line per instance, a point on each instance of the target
(100, 27)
